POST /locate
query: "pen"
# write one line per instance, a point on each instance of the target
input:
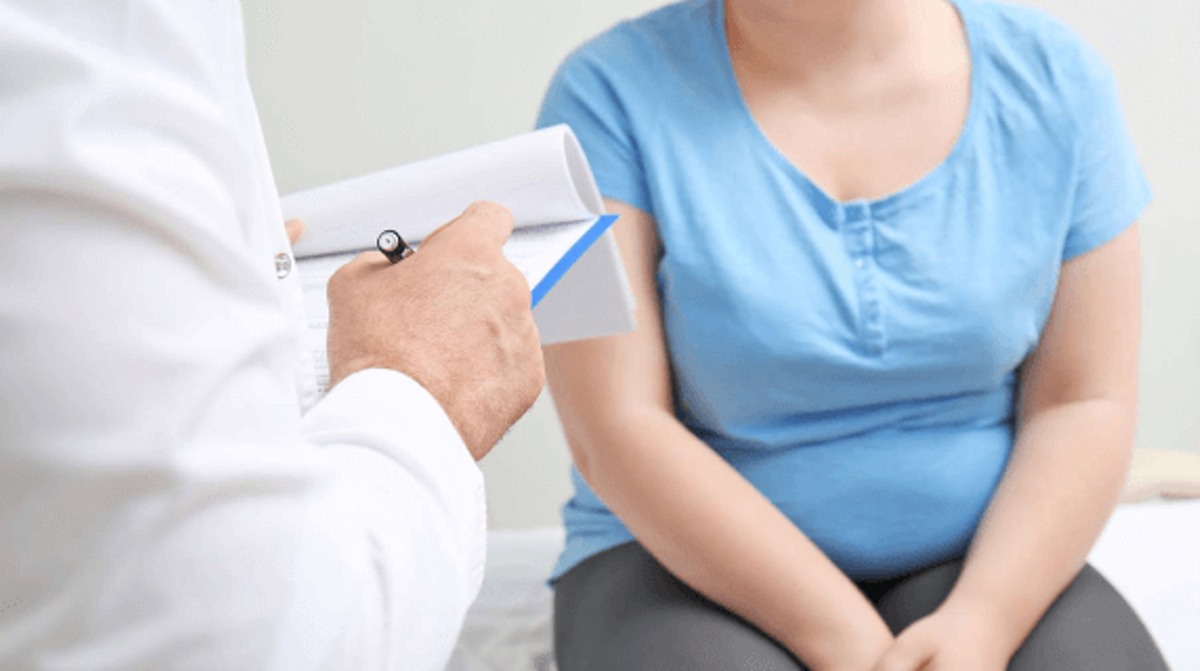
(393, 246)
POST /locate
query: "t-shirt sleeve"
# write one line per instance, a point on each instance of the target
(586, 95)
(1110, 191)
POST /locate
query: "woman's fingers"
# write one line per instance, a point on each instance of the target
(911, 652)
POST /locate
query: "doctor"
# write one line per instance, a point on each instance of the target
(163, 501)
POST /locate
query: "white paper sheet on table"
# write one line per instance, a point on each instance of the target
(1151, 553)
(560, 238)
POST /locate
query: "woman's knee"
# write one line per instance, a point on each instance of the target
(693, 644)
(623, 610)
(1090, 626)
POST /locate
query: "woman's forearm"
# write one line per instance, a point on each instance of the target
(716, 532)
(1060, 488)
(1078, 404)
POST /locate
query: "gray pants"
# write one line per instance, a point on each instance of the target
(622, 610)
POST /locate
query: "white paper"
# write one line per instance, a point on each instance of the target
(542, 177)
(589, 310)
(592, 300)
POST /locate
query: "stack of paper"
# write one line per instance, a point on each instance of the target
(559, 226)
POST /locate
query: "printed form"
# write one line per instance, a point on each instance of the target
(559, 226)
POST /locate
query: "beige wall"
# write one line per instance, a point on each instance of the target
(356, 85)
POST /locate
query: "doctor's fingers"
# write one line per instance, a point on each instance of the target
(483, 227)
(296, 228)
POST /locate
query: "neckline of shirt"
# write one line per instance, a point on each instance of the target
(833, 211)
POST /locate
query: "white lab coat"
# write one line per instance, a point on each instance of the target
(163, 503)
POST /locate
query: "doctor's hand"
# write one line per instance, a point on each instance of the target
(455, 317)
(295, 230)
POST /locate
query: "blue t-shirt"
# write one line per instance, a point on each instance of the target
(855, 361)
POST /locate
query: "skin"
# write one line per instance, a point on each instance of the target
(865, 97)
(455, 317)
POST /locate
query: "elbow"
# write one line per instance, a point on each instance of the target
(598, 442)
(583, 446)
(582, 461)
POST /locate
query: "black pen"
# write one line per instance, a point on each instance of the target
(393, 246)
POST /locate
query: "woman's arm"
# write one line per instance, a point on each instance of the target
(1074, 439)
(684, 503)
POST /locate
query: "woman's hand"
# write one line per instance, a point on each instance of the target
(955, 637)
(859, 653)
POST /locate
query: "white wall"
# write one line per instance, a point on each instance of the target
(356, 85)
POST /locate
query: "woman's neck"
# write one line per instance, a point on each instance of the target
(812, 41)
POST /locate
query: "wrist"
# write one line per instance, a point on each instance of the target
(989, 616)
(343, 364)
(849, 644)
(472, 433)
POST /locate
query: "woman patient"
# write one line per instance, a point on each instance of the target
(881, 396)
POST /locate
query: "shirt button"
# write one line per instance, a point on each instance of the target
(283, 265)
(860, 263)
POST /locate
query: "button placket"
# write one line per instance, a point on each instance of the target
(859, 237)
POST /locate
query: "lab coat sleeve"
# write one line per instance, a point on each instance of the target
(410, 473)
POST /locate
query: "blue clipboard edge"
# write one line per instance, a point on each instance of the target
(564, 264)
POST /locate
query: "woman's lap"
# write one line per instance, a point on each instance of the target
(1089, 626)
(622, 610)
